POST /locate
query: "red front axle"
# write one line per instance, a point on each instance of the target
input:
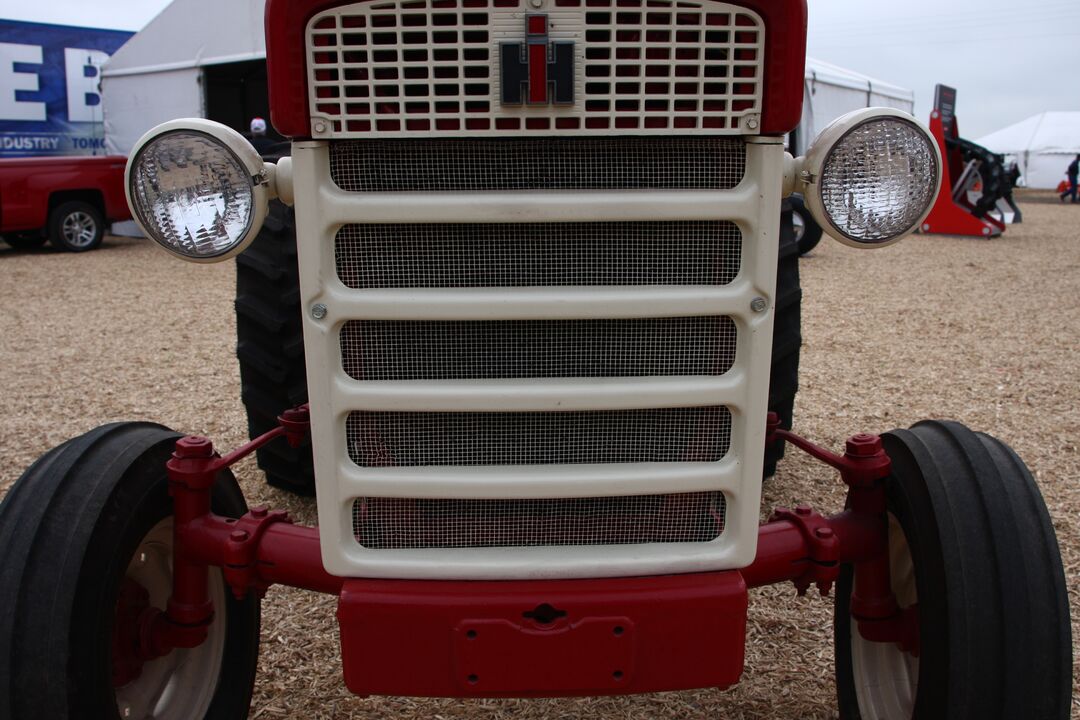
(598, 622)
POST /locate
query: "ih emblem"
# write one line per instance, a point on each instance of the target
(537, 71)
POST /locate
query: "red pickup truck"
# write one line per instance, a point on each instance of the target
(68, 201)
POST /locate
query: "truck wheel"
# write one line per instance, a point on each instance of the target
(971, 543)
(25, 240)
(807, 231)
(85, 545)
(787, 337)
(76, 226)
(270, 346)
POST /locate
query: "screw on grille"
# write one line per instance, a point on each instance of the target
(318, 311)
(758, 304)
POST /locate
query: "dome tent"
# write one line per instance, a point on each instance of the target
(1043, 146)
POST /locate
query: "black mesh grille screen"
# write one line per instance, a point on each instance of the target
(405, 523)
(453, 350)
(394, 439)
(538, 254)
(548, 163)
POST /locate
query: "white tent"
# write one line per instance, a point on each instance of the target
(157, 75)
(1043, 146)
(831, 91)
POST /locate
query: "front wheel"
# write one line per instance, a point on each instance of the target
(85, 549)
(972, 550)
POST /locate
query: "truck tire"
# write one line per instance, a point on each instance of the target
(85, 546)
(76, 226)
(973, 549)
(270, 347)
(787, 337)
(807, 231)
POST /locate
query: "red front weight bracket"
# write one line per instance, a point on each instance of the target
(859, 535)
(823, 566)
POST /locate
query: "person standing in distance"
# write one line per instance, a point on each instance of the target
(259, 140)
(1072, 172)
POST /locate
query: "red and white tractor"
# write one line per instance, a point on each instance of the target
(538, 244)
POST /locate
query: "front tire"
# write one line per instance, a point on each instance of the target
(86, 525)
(971, 543)
(76, 226)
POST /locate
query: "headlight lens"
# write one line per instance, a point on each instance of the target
(193, 194)
(874, 184)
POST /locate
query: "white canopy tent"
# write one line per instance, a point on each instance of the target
(1043, 146)
(158, 74)
(831, 91)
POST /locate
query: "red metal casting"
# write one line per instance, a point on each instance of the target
(542, 638)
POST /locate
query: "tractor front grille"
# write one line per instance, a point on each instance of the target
(381, 523)
(634, 67)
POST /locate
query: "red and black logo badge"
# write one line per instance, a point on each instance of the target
(537, 71)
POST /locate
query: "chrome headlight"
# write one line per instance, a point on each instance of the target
(871, 177)
(197, 188)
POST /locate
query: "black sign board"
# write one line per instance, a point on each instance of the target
(945, 104)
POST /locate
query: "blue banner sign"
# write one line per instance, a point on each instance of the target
(50, 88)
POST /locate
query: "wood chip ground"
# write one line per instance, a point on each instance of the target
(982, 331)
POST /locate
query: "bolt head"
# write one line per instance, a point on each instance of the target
(318, 311)
(759, 304)
(824, 533)
(320, 127)
(803, 510)
(238, 535)
(258, 512)
(194, 446)
(863, 445)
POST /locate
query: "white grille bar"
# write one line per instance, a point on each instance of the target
(557, 303)
(540, 481)
(540, 394)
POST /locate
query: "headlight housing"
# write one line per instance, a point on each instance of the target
(198, 189)
(872, 177)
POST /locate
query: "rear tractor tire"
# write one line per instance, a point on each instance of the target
(972, 547)
(86, 546)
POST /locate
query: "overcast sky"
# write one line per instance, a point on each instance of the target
(1007, 59)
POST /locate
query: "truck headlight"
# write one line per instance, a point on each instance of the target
(871, 177)
(197, 188)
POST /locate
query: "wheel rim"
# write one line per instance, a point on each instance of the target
(799, 226)
(886, 678)
(79, 229)
(180, 685)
